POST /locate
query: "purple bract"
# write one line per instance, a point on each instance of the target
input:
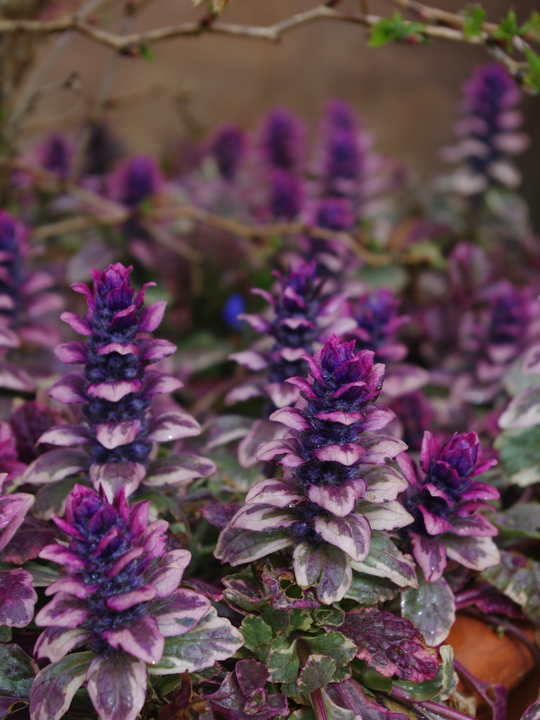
(444, 498)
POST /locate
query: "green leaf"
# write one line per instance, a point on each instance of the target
(5, 634)
(146, 53)
(532, 74)
(255, 632)
(368, 590)
(474, 18)
(518, 579)
(213, 639)
(431, 608)
(55, 686)
(507, 30)
(520, 455)
(316, 674)
(335, 712)
(396, 29)
(17, 673)
(283, 662)
(277, 619)
(333, 644)
(386, 561)
(448, 675)
(329, 616)
(521, 521)
(531, 28)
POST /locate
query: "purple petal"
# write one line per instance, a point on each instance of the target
(75, 323)
(173, 426)
(156, 383)
(15, 378)
(261, 432)
(262, 517)
(120, 348)
(179, 612)
(114, 391)
(387, 516)
(142, 640)
(287, 446)
(250, 359)
(152, 316)
(72, 586)
(178, 470)
(347, 454)
(44, 303)
(117, 686)
(242, 393)
(430, 555)
(381, 448)
(8, 338)
(351, 534)
(112, 435)
(339, 500)
(434, 525)
(167, 574)
(129, 599)
(476, 553)
(66, 435)
(112, 477)
(291, 418)
(273, 492)
(281, 394)
(55, 465)
(154, 350)
(62, 556)
(72, 352)
(237, 546)
(63, 611)
(255, 321)
(341, 417)
(69, 389)
(54, 642)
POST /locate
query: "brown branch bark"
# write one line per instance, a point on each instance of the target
(131, 44)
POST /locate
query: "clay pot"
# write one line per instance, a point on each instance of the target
(494, 659)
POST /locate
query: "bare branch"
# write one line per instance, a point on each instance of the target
(131, 44)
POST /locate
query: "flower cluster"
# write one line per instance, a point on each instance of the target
(117, 389)
(488, 132)
(498, 329)
(227, 147)
(444, 499)
(119, 598)
(336, 488)
(24, 298)
(377, 322)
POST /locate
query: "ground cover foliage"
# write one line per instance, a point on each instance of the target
(300, 430)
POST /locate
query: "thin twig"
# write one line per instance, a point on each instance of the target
(132, 44)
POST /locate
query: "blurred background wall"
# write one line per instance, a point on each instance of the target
(407, 95)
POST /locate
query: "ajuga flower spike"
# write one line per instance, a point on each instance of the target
(117, 389)
(336, 488)
(119, 599)
(444, 498)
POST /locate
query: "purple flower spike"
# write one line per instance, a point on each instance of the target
(444, 499)
(495, 334)
(135, 181)
(300, 310)
(228, 147)
(336, 488)
(335, 214)
(24, 296)
(55, 154)
(119, 598)
(282, 140)
(117, 388)
(378, 322)
(286, 195)
(488, 132)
